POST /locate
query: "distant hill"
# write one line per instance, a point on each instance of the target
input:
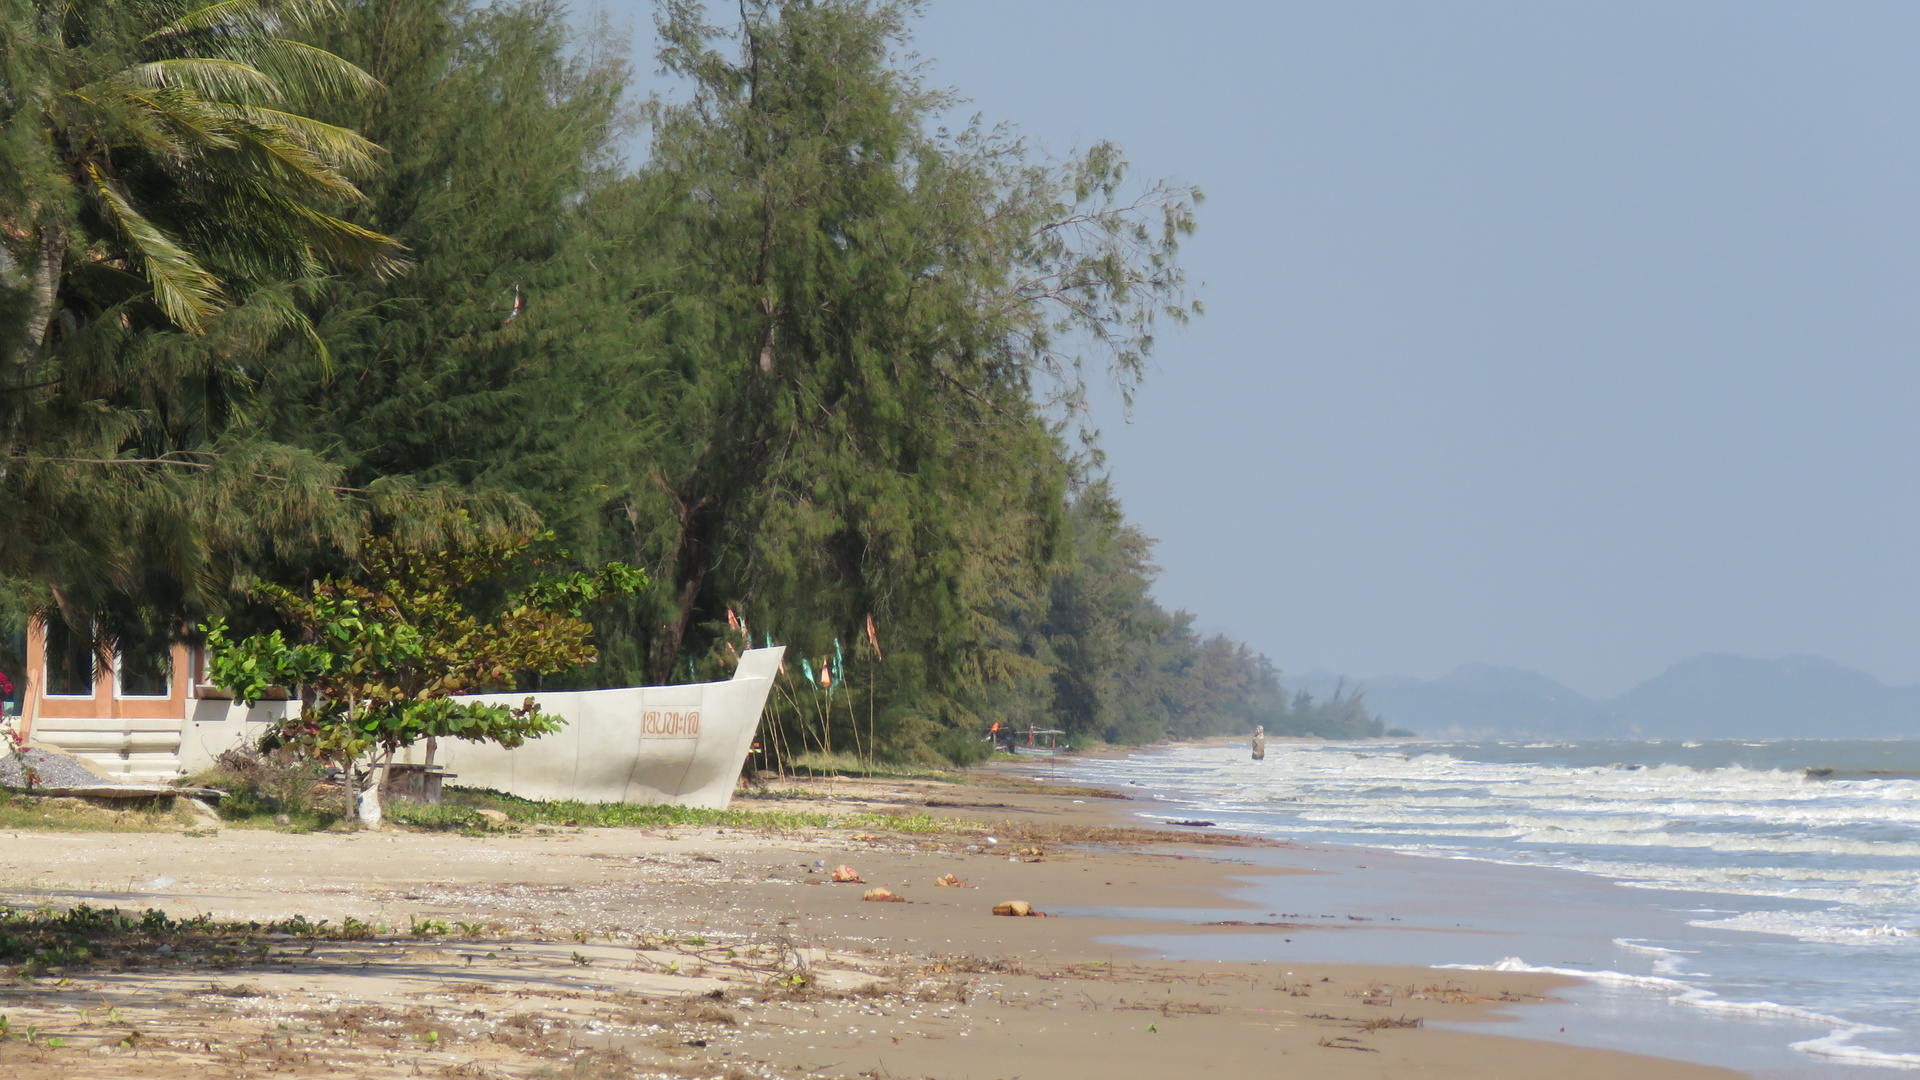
(1719, 696)
(1710, 696)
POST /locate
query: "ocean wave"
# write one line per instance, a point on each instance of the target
(1826, 927)
(1665, 961)
(1853, 889)
(1679, 993)
(1838, 1046)
(1610, 978)
(1568, 832)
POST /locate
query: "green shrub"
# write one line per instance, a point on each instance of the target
(961, 747)
(442, 815)
(260, 786)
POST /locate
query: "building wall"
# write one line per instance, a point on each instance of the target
(130, 738)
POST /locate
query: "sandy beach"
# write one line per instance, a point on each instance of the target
(724, 952)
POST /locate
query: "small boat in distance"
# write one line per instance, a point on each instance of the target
(1041, 742)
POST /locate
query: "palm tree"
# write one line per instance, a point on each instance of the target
(171, 140)
(166, 192)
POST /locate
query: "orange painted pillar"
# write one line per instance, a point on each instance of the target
(31, 678)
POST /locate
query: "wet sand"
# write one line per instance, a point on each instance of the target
(728, 953)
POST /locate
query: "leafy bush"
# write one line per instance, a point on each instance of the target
(961, 747)
(260, 786)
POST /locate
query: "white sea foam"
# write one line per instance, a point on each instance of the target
(1830, 927)
(1611, 978)
(1680, 993)
(1838, 1046)
(1665, 961)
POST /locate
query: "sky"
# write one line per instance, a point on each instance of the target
(1578, 337)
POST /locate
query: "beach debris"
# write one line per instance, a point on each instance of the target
(992, 840)
(847, 875)
(495, 818)
(1193, 824)
(370, 813)
(1174, 1008)
(1242, 922)
(1017, 907)
(951, 881)
(883, 895)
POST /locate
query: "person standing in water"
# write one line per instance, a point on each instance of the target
(1259, 743)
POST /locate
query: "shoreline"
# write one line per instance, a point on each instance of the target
(1575, 921)
(719, 951)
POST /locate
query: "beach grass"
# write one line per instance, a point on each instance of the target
(816, 764)
(21, 811)
(460, 810)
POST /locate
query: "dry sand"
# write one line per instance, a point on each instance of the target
(725, 953)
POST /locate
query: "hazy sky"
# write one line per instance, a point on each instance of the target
(1579, 337)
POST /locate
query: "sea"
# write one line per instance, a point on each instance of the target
(1750, 904)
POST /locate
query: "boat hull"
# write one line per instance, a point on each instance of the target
(683, 745)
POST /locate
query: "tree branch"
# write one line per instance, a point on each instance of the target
(176, 463)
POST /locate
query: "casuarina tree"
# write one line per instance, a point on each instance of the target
(860, 322)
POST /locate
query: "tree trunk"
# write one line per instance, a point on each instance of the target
(683, 614)
(687, 565)
(44, 286)
(381, 787)
(43, 289)
(353, 797)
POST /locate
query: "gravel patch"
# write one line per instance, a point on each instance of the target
(50, 770)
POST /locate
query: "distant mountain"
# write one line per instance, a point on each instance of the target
(1479, 699)
(1719, 696)
(1709, 696)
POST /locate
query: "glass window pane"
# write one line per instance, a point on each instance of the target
(145, 669)
(69, 659)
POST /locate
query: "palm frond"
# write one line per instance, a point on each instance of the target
(162, 120)
(225, 80)
(182, 288)
(263, 17)
(346, 242)
(308, 73)
(333, 150)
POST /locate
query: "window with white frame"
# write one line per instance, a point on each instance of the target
(69, 660)
(144, 669)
